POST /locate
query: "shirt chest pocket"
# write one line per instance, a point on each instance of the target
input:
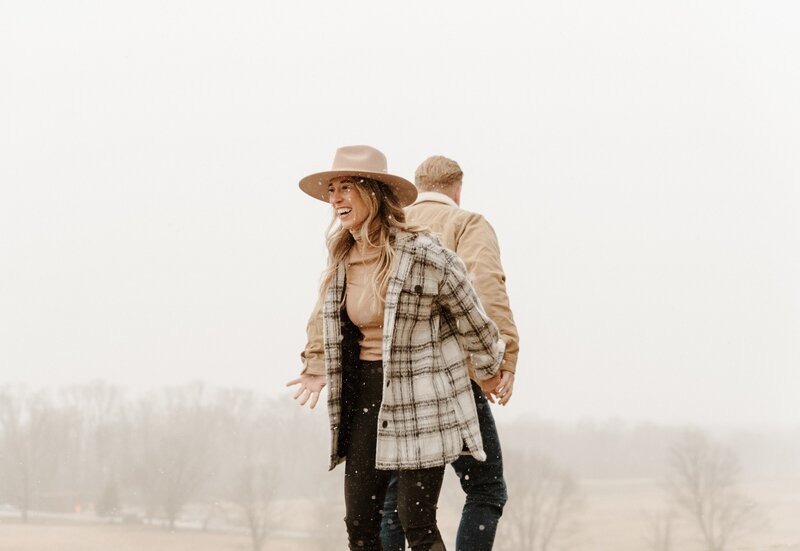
(419, 295)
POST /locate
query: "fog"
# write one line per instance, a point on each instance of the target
(637, 160)
(195, 460)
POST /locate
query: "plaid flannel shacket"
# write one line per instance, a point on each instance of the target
(432, 318)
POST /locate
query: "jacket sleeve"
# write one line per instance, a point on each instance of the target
(313, 356)
(477, 246)
(479, 335)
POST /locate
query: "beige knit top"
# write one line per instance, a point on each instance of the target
(363, 306)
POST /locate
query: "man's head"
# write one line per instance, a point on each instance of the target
(440, 174)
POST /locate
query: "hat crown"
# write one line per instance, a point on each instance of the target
(360, 158)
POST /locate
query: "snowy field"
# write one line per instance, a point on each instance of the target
(615, 516)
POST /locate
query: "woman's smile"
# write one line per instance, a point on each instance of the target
(346, 201)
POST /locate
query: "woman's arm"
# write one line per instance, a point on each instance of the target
(480, 337)
(312, 379)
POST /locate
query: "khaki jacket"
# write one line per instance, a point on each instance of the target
(432, 316)
(474, 241)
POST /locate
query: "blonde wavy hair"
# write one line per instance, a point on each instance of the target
(385, 216)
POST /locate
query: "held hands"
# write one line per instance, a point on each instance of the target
(310, 388)
(500, 387)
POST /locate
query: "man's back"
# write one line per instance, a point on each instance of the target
(473, 239)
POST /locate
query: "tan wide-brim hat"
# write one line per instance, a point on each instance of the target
(360, 161)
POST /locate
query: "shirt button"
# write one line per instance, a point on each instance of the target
(387, 383)
(385, 424)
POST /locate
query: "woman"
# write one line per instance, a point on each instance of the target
(395, 317)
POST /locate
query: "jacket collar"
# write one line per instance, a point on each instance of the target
(404, 247)
(435, 197)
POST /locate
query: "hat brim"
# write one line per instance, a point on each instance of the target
(316, 185)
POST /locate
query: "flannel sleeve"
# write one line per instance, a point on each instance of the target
(479, 335)
(477, 246)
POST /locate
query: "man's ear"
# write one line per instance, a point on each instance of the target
(457, 193)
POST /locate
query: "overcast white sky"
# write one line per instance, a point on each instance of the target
(639, 161)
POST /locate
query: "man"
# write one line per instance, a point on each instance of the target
(439, 181)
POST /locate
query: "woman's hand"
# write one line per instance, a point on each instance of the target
(310, 388)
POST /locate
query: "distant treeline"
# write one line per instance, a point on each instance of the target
(93, 447)
(619, 449)
(97, 447)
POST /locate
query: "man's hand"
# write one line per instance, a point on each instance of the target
(500, 387)
(489, 386)
(505, 388)
(310, 388)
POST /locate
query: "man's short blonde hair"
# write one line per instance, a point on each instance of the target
(438, 173)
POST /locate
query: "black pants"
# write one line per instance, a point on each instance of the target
(365, 486)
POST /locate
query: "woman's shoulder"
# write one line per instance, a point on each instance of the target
(422, 239)
(427, 245)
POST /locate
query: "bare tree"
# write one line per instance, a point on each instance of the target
(256, 492)
(30, 432)
(172, 448)
(660, 525)
(143, 463)
(543, 504)
(703, 486)
(258, 469)
(15, 477)
(97, 413)
(108, 503)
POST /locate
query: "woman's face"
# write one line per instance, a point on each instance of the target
(347, 203)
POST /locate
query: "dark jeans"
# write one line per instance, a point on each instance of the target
(482, 482)
(365, 486)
